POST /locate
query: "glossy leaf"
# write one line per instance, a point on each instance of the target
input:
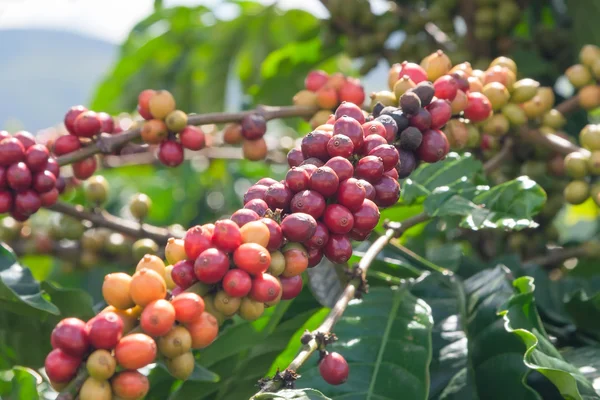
(386, 339)
(325, 283)
(19, 383)
(292, 394)
(522, 320)
(587, 360)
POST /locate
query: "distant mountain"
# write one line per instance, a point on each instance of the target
(44, 72)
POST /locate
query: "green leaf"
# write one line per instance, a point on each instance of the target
(511, 205)
(584, 14)
(587, 361)
(584, 310)
(199, 374)
(292, 394)
(522, 320)
(19, 383)
(453, 170)
(19, 292)
(386, 339)
(71, 302)
(325, 283)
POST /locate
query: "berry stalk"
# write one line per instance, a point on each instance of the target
(349, 293)
(107, 143)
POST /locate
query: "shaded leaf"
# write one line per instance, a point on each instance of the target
(71, 302)
(324, 282)
(292, 394)
(522, 320)
(386, 339)
(587, 361)
(584, 310)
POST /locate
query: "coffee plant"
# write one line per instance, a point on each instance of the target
(436, 238)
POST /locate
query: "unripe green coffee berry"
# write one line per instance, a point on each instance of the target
(554, 119)
(497, 94)
(576, 165)
(92, 240)
(117, 244)
(140, 206)
(515, 114)
(524, 90)
(96, 190)
(402, 85)
(577, 192)
(593, 163)
(589, 55)
(384, 97)
(176, 120)
(579, 75)
(144, 246)
(595, 193)
(590, 137)
(497, 125)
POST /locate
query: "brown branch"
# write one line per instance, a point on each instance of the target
(108, 143)
(569, 105)
(558, 256)
(503, 155)
(395, 230)
(555, 142)
(106, 220)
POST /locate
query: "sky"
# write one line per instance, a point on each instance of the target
(110, 20)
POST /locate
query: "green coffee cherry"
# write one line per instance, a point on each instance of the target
(140, 206)
(576, 165)
(142, 247)
(577, 192)
(96, 190)
(590, 137)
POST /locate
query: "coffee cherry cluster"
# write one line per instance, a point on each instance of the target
(327, 92)
(585, 77)
(584, 169)
(249, 132)
(138, 326)
(29, 175)
(167, 127)
(83, 126)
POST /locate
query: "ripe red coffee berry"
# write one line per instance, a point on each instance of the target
(312, 162)
(445, 87)
(342, 167)
(297, 179)
(338, 219)
(107, 123)
(369, 168)
(135, 351)
(371, 142)
(43, 182)
(18, 176)
(6, 201)
(278, 195)
(11, 151)
(255, 192)
(314, 257)
(105, 330)
(226, 235)
(334, 369)
(70, 336)
(275, 234)
(367, 216)
(352, 91)
(265, 288)
(70, 117)
(298, 227)
(374, 127)
(356, 234)
(421, 120)
(188, 307)
(130, 385)
(295, 157)
(183, 274)
(85, 168)
(243, 216)
(387, 191)
(196, 240)
(211, 266)
(340, 145)
(53, 167)
(319, 238)
(144, 103)
(87, 124)
(158, 318)
(351, 194)
(315, 80)
(434, 146)
(26, 138)
(254, 126)
(192, 137)
(315, 145)
(237, 283)
(440, 111)
(252, 258)
(290, 286)
(258, 206)
(338, 249)
(325, 181)
(388, 154)
(310, 168)
(350, 127)
(478, 107)
(36, 157)
(66, 144)
(414, 71)
(27, 202)
(48, 198)
(369, 189)
(351, 110)
(60, 366)
(170, 153)
(3, 182)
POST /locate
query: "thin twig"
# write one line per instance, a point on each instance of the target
(106, 220)
(558, 256)
(554, 142)
(394, 230)
(108, 143)
(503, 155)
(569, 105)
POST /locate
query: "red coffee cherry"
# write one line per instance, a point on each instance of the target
(265, 288)
(226, 235)
(297, 179)
(188, 307)
(290, 286)
(372, 142)
(478, 107)
(26, 138)
(350, 109)
(6, 201)
(340, 146)
(66, 144)
(70, 336)
(70, 117)
(275, 234)
(60, 366)
(36, 157)
(342, 167)
(350, 127)
(334, 369)
(369, 168)
(295, 157)
(367, 216)
(278, 195)
(252, 258)
(315, 145)
(43, 182)
(196, 240)
(11, 151)
(298, 227)
(255, 192)
(18, 176)
(107, 123)
(309, 202)
(434, 147)
(338, 219)
(130, 385)
(325, 181)
(192, 137)
(87, 124)
(254, 126)
(338, 249)
(314, 257)
(315, 80)
(211, 266)
(319, 238)
(445, 87)
(237, 283)
(243, 216)
(387, 191)
(351, 194)
(259, 206)
(388, 154)
(170, 153)
(85, 168)
(414, 71)
(105, 330)
(27, 202)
